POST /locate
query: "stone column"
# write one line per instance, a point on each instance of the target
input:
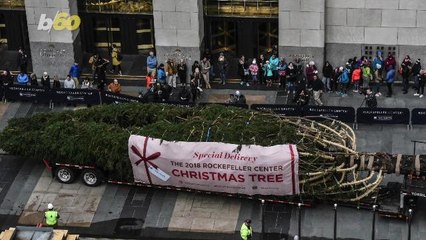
(53, 29)
(301, 30)
(179, 29)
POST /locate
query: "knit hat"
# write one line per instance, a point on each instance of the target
(45, 73)
(50, 206)
(378, 66)
(237, 93)
(254, 61)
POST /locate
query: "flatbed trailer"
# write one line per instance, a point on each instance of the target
(392, 201)
(92, 177)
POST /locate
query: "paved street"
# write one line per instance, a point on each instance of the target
(114, 211)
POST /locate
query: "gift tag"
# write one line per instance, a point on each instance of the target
(158, 173)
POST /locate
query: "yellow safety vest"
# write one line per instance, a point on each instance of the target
(245, 231)
(51, 217)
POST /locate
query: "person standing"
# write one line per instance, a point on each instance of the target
(171, 73)
(367, 76)
(116, 60)
(243, 71)
(327, 75)
(69, 83)
(310, 72)
(246, 230)
(390, 77)
(274, 61)
(56, 83)
(405, 72)
(51, 216)
(254, 69)
(260, 63)
(421, 86)
(317, 87)
(205, 71)
(161, 76)
(22, 60)
(45, 80)
(75, 74)
(222, 66)
(182, 70)
(151, 63)
(33, 78)
(417, 67)
(282, 71)
(356, 78)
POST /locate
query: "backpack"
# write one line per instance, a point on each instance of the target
(344, 78)
(119, 57)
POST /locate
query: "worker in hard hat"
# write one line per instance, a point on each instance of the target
(51, 216)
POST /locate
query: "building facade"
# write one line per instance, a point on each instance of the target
(59, 32)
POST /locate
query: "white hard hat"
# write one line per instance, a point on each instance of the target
(237, 93)
(50, 206)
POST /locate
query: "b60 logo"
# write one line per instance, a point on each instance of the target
(61, 22)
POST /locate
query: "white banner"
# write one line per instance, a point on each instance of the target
(216, 167)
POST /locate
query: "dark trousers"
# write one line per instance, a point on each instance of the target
(389, 85)
(421, 87)
(405, 84)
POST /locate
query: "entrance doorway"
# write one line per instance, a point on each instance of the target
(240, 36)
(237, 36)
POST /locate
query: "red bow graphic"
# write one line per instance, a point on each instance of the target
(145, 159)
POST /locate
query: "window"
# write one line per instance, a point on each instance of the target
(117, 6)
(20, 4)
(144, 35)
(251, 8)
(370, 51)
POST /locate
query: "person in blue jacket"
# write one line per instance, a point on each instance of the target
(151, 63)
(75, 74)
(22, 78)
(161, 74)
(390, 77)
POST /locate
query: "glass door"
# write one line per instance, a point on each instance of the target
(106, 32)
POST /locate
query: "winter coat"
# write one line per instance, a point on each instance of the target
(344, 77)
(22, 79)
(416, 68)
(253, 69)
(310, 72)
(114, 56)
(390, 62)
(327, 71)
(151, 62)
(390, 76)
(161, 76)
(274, 62)
(356, 75)
(75, 71)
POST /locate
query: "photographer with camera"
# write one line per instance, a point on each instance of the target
(369, 99)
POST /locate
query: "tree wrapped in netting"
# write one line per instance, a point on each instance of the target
(329, 166)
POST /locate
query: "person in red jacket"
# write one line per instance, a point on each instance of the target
(356, 77)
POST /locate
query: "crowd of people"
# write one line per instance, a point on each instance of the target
(301, 81)
(72, 80)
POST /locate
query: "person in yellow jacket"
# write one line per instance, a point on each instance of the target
(246, 230)
(116, 59)
(51, 216)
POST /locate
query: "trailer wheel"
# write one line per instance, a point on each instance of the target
(64, 175)
(91, 177)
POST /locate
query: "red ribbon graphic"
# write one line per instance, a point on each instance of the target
(144, 159)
